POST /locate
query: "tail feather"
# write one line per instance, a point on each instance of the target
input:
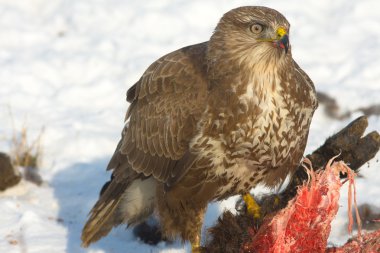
(128, 198)
(102, 216)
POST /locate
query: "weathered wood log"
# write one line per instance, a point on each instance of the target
(333, 110)
(348, 144)
(352, 147)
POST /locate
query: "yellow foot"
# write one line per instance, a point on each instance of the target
(252, 207)
(276, 200)
(196, 244)
(195, 248)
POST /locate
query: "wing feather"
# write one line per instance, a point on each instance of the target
(166, 104)
(302, 77)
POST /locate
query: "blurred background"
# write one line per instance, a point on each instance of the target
(66, 65)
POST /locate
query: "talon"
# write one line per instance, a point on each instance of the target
(276, 200)
(195, 248)
(196, 244)
(252, 207)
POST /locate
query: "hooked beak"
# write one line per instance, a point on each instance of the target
(282, 40)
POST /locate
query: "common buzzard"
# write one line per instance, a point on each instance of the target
(206, 122)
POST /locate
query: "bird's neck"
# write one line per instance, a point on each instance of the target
(257, 80)
(229, 70)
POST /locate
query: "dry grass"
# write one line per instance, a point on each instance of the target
(23, 152)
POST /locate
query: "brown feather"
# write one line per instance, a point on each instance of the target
(168, 130)
(102, 216)
(206, 122)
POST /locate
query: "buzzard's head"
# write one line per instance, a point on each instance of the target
(251, 35)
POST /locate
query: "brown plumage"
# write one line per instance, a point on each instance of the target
(206, 122)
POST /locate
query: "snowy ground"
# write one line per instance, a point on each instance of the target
(65, 66)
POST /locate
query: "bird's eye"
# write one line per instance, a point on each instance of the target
(256, 28)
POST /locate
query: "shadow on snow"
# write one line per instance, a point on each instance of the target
(76, 189)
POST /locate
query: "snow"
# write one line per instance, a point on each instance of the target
(66, 65)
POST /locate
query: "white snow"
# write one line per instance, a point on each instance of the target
(65, 66)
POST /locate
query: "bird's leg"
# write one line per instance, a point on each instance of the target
(252, 207)
(196, 244)
(195, 239)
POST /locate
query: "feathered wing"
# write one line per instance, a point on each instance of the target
(166, 104)
(102, 216)
(302, 77)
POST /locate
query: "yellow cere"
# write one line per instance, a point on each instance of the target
(281, 31)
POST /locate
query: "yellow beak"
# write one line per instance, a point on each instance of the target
(282, 40)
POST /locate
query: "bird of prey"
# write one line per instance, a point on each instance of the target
(206, 122)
